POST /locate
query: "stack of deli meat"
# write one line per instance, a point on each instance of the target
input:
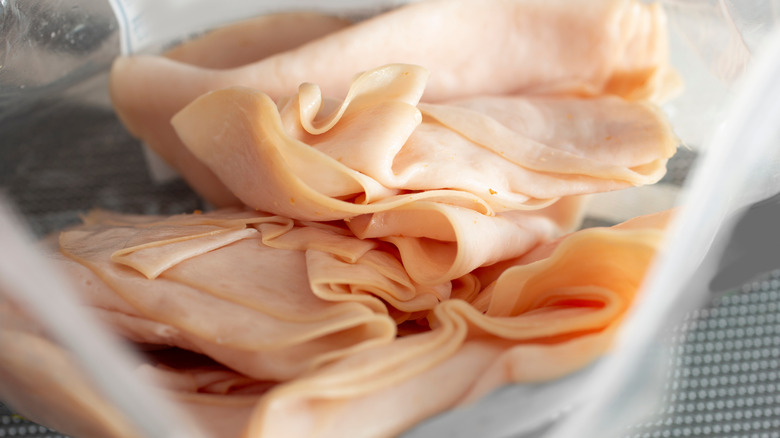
(397, 205)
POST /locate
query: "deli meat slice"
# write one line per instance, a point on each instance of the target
(254, 39)
(471, 48)
(254, 316)
(546, 316)
(439, 242)
(224, 48)
(316, 159)
(288, 322)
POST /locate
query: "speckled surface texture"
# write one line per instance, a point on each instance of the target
(724, 375)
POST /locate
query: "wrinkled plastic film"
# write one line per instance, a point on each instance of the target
(738, 169)
(712, 43)
(49, 47)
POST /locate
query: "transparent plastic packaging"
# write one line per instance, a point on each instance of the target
(57, 53)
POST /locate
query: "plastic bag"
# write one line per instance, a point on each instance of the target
(727, 178)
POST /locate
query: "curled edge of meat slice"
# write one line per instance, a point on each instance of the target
(563, 323)
(529, 324)
(224, 48)
(615, 47)
(373, 152)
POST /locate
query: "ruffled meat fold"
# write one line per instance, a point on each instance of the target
(378, 149)
(326, 326)
(471, 49)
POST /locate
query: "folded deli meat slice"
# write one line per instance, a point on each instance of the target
(495, 47)
(229, 47)
(219, 400)
(423, 247)
(545, 318)
(439, 242)
(316, 159)
(224, 48)
(311, 316)
(254, 39)
(232, 302)
(472, 48)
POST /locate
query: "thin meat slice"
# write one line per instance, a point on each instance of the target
(472, 48)
(240, 135)
(218, 399)
(315, 159)
(264, 321)
(552, 319)
(251, 40)
(157, 257)
(604, 137)
(439, 242)
(274, 298)
(224, 48)
(352, 151)
(544, 314)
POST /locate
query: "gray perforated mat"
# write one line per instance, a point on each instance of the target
(724, 378)
(53, 178)
(15, 426)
